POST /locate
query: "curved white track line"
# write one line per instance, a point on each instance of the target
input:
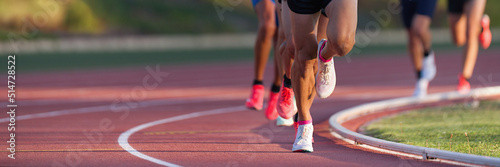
(103, 108)
(123, 139)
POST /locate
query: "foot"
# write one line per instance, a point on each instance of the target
(286, 104)
(303, 139)
(256, 98)
(271, 112)
(463, 86)
(325, 78)
(421, 88)
(485, 36)
(284, 122)
(296, 127)
(429, 67)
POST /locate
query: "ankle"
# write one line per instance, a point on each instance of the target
(287, 82)
(305, 122)
(324, 60)
(257, 82)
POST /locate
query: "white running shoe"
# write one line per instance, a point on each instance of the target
(303, 139)
(325, 78)
(280, 121)
(429, 67)
(421, 88)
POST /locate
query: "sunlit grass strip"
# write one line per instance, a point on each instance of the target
(463, 129)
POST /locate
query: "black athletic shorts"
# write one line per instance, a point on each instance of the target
(412, 7)
(307, 6)
(456, 6)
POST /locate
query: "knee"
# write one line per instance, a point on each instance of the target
(341, 43)
(305, 50)
(303, 62)
(267, 28)
(458, 41)
(419, 30)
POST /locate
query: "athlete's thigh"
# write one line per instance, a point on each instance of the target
(474, 10)
(304, 30)
(286, 21)
(265, 10)
(456, 16)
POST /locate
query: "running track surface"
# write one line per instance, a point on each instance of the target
(75, 118)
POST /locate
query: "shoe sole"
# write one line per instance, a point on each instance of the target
(302, 151)
(253, 108)
(285, 125)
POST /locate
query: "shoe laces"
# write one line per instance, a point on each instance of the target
(273, 100)
(325, 78)
(304, 136)
(255, 93)
(285, 94)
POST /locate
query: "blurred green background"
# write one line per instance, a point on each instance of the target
(116, 17)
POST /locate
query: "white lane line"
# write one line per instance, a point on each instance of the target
(47, 101)
(123, 139)
(103, 108)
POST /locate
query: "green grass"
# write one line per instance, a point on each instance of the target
(172, 17)
(433, 127)
(138, 17)
(134, 17)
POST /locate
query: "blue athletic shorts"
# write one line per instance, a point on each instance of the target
(412, 7)
(255, 2)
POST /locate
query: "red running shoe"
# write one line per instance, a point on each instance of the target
(271, 112)
(485, 36)
(256, 98)
(286, 105)
(463, 85)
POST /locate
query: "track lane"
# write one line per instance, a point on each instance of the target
(62, 141)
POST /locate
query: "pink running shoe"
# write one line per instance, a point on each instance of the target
(485, 36)
(286, 105)
(463, 85)
(256, 98)
(271, 112)
(295, 126)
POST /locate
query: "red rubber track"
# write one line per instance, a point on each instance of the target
(243, 138)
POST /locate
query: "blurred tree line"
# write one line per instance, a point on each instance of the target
(55, 18)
